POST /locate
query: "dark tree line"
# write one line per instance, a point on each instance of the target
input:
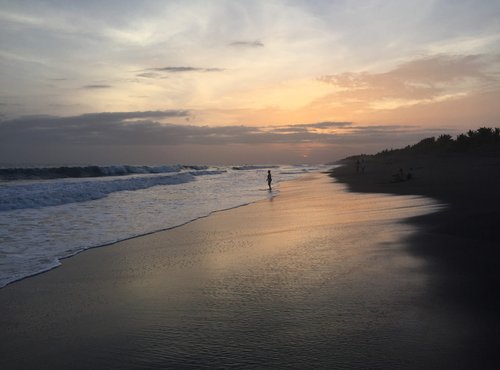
(484, 140)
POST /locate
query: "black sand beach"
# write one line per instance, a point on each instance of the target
(461, 243)
(317, 277)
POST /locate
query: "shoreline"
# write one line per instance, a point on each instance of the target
(35, 234)
(468, 185)
(462, 239)
(460, 243)
(107, 244)
(289, 282)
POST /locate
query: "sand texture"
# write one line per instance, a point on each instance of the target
(462, 242)
(317, 277)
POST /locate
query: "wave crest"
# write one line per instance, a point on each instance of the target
(54, 193)
(46, 173)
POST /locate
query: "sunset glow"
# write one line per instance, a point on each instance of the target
(424, 65)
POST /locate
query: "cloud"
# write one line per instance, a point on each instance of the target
(40, 126)
(289, 129)
(143, 129)
(96, 87)
(324, 125)
(310, 127)
(184, 69)
(144, 137)
(120, 116)
(151, 75)
(423, 80)
(250, 44)
(160, 72)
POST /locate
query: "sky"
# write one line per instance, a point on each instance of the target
(229, 82)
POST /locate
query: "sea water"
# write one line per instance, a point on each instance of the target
(50, 213)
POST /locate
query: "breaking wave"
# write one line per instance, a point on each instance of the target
(42, 173)
(53, 193)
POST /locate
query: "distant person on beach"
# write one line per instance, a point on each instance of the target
(269, 179)
(400, 176)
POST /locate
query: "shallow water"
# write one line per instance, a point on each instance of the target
(338, 290)
(315, 278)
(43, 221)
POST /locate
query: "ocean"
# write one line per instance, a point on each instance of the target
(50, 213)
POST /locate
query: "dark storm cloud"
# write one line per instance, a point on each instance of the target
(142, 128)
(251, 44)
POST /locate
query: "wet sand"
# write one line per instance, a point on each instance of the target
(461, 244)
(317, 277)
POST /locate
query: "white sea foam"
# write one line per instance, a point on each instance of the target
(38, 194)
(42, 221)
(48, 172)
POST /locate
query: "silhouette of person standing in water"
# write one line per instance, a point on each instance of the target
(269, 179)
